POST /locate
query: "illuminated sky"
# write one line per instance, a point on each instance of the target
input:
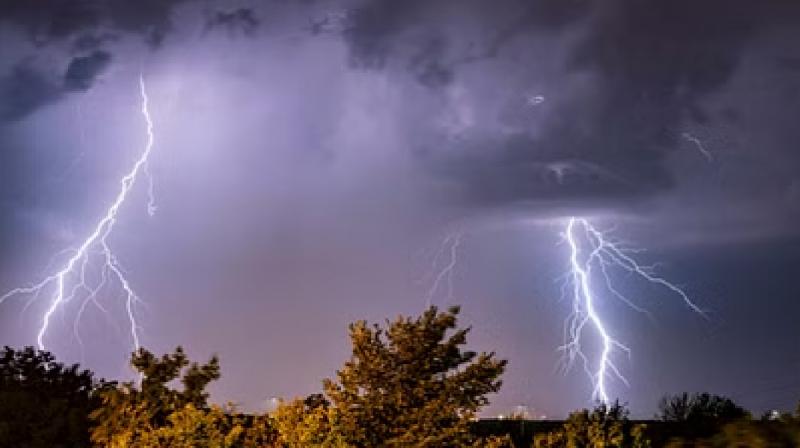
(311, 156)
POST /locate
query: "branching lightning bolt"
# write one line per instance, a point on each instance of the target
(592, 253)
(71, 281)
(448, 250)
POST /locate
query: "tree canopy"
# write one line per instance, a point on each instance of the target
(155, 414)
(409, 384)
(699, 408)
(603, 427)
(44, 403)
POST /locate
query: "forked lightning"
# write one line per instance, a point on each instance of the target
(592, 255)
(73, 280)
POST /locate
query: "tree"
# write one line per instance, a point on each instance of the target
(780, 431)
(603, 427)
(504, 441)
(215, 427)
(410, 384)
(697, 416)
(307, 423)
(155, 414)
(44, 403)
(699, 409)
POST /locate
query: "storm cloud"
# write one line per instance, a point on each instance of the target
(241, 20)
(83, 70)
(644, 71)
(48, 22)
(86, 27)
(25, 89)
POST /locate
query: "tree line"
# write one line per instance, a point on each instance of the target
(407, 383)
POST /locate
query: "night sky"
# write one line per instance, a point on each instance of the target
(312, 156)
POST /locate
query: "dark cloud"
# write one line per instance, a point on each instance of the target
(83, 70)
(51, 20)
(89, 25)
(241, 20)
(650, 67)
(412, 31)
(54, 20)
(520, 169)
(25, 89)
(151, 19)
(92, 41)
(535, 17)
(651, 85)
(374, 29)
(428, 67)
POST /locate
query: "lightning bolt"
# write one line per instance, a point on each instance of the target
(448, 250)
(592, 254)
(700, 147)
(71, 281)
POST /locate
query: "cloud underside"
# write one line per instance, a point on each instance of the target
(646, 70)
(651, 67)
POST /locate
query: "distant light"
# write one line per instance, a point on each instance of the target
(535, 100)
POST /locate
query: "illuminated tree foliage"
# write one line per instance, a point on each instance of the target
(769, 432)
(410, 384)
(603, 427)
(214, 427)
(43, 403)
(156, 415)
(308, 423)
